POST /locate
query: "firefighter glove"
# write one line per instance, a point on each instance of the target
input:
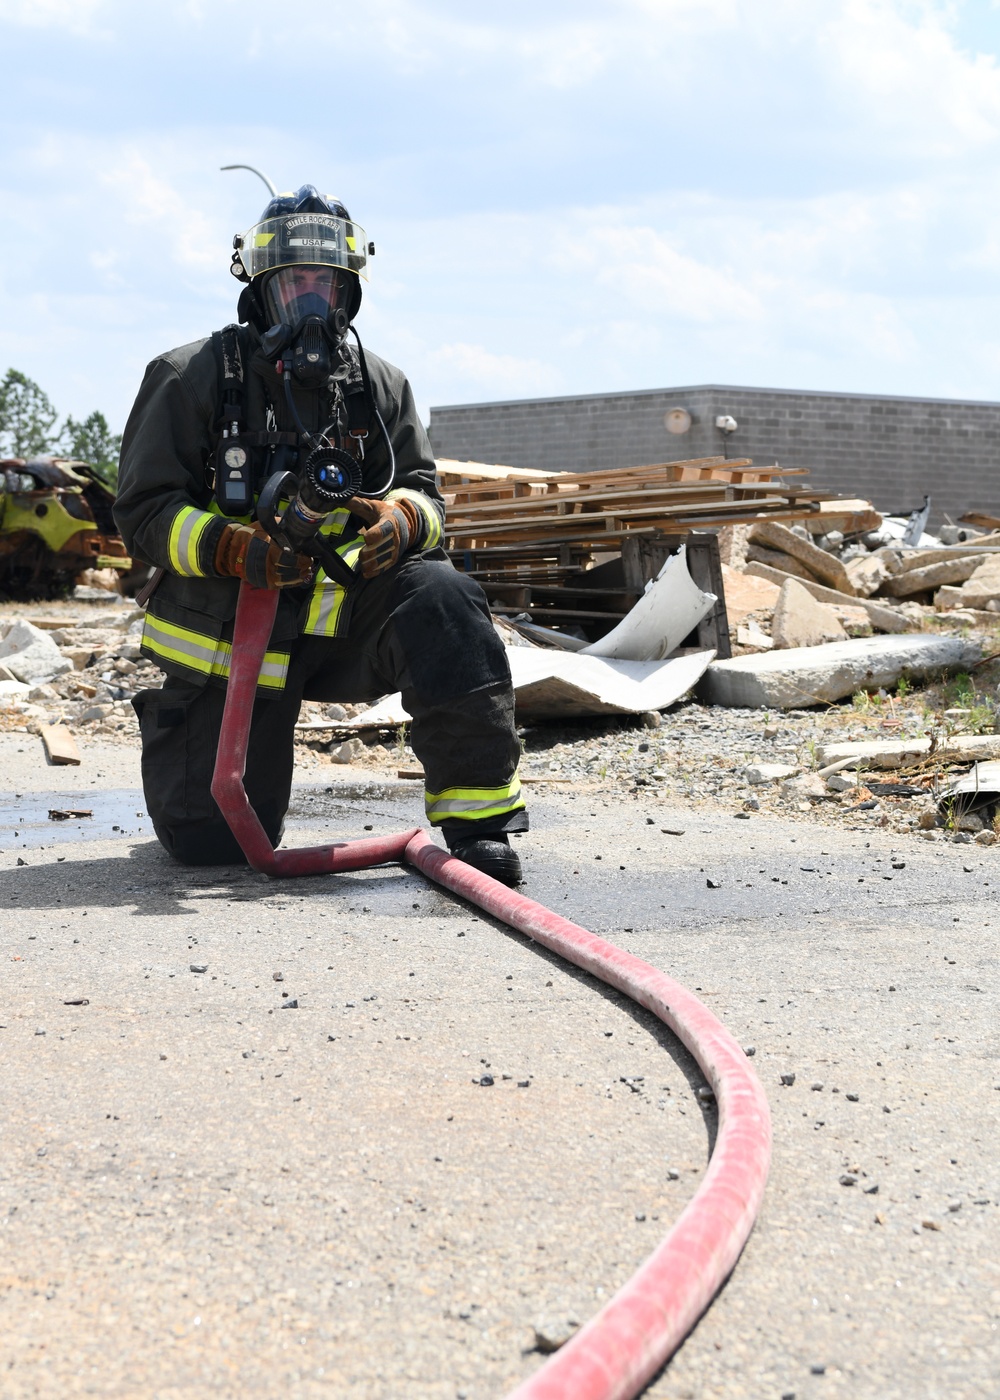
(391, 528)
(246, 552)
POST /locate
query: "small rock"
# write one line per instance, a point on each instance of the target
(672, 830)
(524, 1083)
(290, 1005)
(852, 1098)
(277, 976)
(673, 1175)
(871, 1189)
(788, 1079)
(749, 1051)
(705, 1094)
(552, 1334)
(348, 751)
(714, 884)
(485, 1080)
(651, 719)
(640, 1215)
(199, 967)
(930, 1225)
(806, 785)
(986, 838)
(94, 713)
(954, 1206)
(39, 1030)
(848, 1179)
(816, 1086)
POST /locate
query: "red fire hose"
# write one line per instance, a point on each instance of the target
(619, 1350)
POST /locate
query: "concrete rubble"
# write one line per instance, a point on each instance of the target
(819, 675)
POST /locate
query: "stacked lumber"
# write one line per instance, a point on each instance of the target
(576, 547)
(550, 523)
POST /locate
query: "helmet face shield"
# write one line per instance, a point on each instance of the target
(293, 293)
(325, 240)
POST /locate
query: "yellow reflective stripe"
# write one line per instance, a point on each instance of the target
(426, 507)
(186, 530)
(335, 522)
(207, 655)
(473, 804)
(325, 607)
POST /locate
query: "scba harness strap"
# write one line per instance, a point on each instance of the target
(238, 476)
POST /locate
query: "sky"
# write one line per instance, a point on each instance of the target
(571, 196)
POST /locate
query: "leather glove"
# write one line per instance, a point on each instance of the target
(246, 552)
(391, 528)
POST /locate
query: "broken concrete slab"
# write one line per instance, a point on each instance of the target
(904, 753)
(881, 615)
(820, 675)
(867, 574)
(824, 566)
(979, 589)
(752, 636)
(31, 655)
(746, 594)
(931, 576)
(800, 621)
(774, 559)
(855, 621)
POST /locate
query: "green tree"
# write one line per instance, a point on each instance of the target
(26, 417)
(93, 441)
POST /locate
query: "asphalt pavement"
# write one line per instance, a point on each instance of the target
(346, 1136)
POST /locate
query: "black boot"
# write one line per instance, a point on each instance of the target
(490, 854)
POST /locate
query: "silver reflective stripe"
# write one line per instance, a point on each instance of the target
(184, 553)
(168, 641)
(271, 670)
(459, 806)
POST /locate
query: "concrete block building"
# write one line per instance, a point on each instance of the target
(891, 450)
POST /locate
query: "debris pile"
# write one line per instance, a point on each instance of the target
(81, 672)
(577, 548)
(833, 586)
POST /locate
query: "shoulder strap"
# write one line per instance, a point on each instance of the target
(358, 395)
(229, 363)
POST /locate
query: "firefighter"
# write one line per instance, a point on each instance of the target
(213, 422)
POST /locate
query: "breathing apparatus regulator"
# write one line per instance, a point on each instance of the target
(302, 264)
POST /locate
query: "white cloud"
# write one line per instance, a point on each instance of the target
(474, 369)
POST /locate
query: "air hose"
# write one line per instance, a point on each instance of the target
(620, 1349)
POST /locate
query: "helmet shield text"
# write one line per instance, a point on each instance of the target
(319, 239)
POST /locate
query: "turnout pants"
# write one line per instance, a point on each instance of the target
(422, 628)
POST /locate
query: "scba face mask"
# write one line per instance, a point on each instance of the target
(306, 305)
